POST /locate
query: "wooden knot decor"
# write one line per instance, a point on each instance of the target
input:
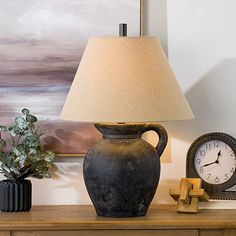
(189, 194)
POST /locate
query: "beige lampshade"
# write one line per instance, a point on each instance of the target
(125, 79)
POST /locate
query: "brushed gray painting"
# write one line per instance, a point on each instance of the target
(41, 44)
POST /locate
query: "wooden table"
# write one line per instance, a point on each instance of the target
(161, 220)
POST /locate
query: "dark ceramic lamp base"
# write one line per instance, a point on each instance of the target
(122, 171)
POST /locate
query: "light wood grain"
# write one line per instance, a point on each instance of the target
(185, 187)
(229, 232)
(188, 195)
(84, 217)
(5, 233)
(188, 208)
(109, 233)
(199, 193)
(218, 232)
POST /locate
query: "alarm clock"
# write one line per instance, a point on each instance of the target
(211, 157)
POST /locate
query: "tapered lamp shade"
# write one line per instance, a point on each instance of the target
(125, 79)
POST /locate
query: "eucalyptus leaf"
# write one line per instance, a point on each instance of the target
(32, 141)
(49, 156)
(3, 128)
(14, 130)
(47, 175)
(19, 150)
(31, 118)
(49, 165)
(9, 160)
(5, 167)
(7, 174)
(19, 159)
(25, 111)
(3, 157)
(26, 157)
(15, 170)
(21, 123)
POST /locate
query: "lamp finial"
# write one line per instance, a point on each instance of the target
(122, 29)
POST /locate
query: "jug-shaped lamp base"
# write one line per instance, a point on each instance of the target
(122, 171)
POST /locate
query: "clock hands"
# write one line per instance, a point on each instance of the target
(218, 156)
(208, 164)
(214, 162)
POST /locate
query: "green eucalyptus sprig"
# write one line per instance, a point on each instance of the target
(23, 156)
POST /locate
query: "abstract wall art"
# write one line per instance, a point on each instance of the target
(41, 44)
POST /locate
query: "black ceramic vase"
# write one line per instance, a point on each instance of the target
(15, 195)
(122, 171)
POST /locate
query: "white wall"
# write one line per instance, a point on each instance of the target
(201, 49)
(200, 37)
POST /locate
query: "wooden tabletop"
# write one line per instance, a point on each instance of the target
(84, 217)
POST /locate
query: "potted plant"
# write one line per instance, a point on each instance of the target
(21, 156)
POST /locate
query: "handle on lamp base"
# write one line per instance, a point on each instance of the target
(163, 137)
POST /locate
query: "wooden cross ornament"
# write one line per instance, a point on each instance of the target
(189, 194)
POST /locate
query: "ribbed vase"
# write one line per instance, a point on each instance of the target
(15, 195)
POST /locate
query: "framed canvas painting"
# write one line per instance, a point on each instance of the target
(41, 44)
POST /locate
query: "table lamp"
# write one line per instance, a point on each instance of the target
(124, 85)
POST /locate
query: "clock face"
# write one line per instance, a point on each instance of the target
(215, 162)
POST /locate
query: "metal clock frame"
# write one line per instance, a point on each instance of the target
(215, 191)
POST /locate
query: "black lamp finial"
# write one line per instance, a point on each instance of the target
(123, 29)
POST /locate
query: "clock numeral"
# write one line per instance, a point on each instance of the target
(209, 175)
(202, 153)
(232, 153)
(217, 179)
(198, 161)
(201, 170)
(208, 146)
(226, 146)
(216, 143)
(226, 176)
(232, 170)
